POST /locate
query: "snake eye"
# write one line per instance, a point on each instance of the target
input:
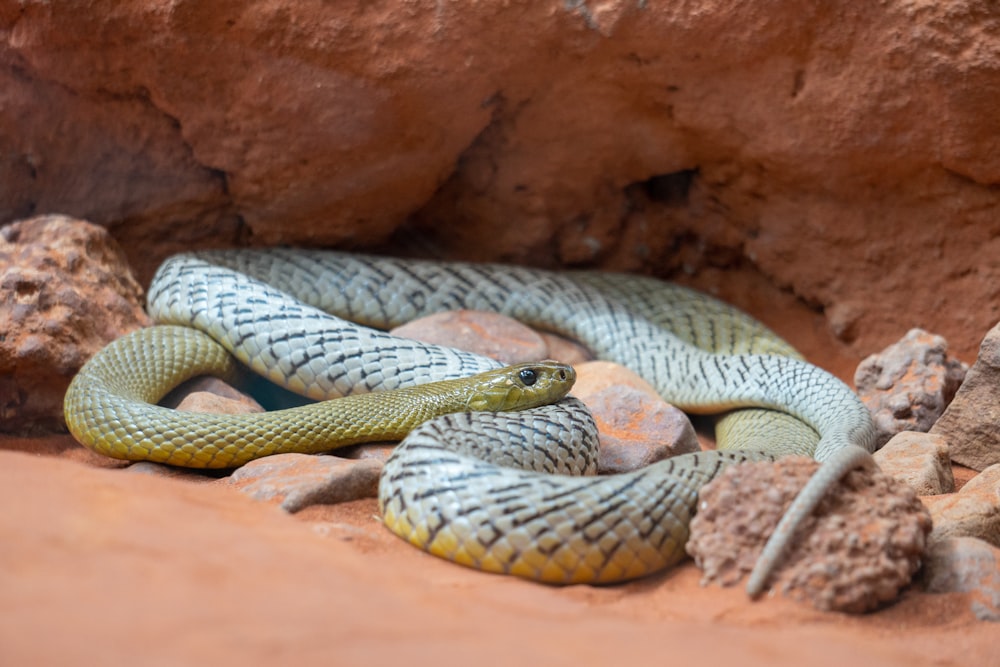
(528, 376)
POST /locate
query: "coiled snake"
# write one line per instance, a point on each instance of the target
(457, 486)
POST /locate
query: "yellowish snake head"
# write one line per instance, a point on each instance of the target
(522, 386)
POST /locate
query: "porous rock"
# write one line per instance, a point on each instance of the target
(970, 424)
(860, 547)
(296, 481)
(972, 512)
(636, 427)
(908, 385)
(65, 292)
(965, 565)
(919, 459)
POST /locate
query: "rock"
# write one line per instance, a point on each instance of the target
(565, 350)
(296, 481)
(210, 394)
(196, 395)
(908, 385)
(972, 512)
(492, 335)
(636, 426)
(453, 130)
(65, 292)
(376, 451)
(970, 422)
(862, 545)
(919, 459)
(965, 565)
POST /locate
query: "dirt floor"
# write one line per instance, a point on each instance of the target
(109, 566)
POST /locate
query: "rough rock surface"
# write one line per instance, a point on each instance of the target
(65, 292)
(972, 512)
(965, 565)
(636, 426)
(908, 385)
(296, 481)
(970, 422)
(679, 138)
(919, 459)
(863, 544)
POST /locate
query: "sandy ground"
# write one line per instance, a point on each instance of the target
(109, 567)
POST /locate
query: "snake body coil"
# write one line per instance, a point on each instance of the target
(441, 490)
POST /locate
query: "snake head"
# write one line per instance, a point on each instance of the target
(521, 386)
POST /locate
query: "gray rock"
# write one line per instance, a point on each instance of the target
(909, 384)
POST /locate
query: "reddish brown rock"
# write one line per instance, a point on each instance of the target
(377, 451)
(565, 350)
(296, 481)
(678, 139)
(65, 292)
(862, 545)
(636, 426)
(909, 384)
(970, 424)
(199, 394)
(919, 459)
(488, 334)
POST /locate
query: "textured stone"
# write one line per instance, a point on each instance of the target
(919, 459)
(908, 385)
(972, 512)
(296, 481)
(492, 335)
(860, 547)
(636, 427)
(970, 422)
(965, 565)
(680, 138)
(65, 292)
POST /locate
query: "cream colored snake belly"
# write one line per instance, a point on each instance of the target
(457, 486)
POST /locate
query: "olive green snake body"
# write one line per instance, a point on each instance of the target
(451, 487)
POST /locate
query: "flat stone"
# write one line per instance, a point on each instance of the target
(919, 459)
(970, 422)
(296, 481)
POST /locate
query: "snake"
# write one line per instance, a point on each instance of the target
(506, 481)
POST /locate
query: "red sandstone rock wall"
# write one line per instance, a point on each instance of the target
(833, 167)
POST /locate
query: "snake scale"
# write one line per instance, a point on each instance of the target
(508, 492)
